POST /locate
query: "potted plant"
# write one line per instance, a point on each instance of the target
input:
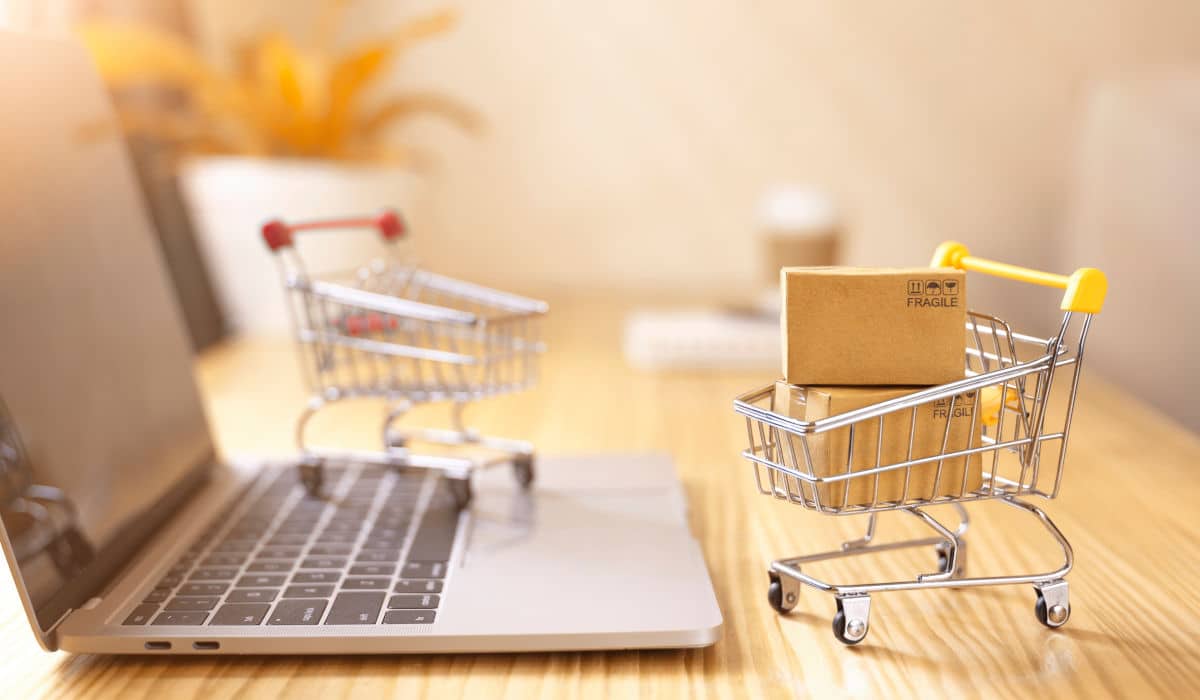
(287, 132)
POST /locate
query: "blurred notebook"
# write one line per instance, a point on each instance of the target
(702, 339)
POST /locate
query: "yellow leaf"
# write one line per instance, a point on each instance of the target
(279, 99)
(130, 54)
(354, 72)
(418, 103)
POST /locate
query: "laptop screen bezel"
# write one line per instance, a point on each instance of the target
(33, 58)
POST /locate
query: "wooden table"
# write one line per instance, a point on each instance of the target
(1129, 506)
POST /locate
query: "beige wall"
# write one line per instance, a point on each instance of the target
(1135, 211)
(630, 140)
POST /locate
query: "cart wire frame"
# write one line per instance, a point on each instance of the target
(1012, 379)
(394, 331)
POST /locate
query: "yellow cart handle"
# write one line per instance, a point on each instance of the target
(1085, 288)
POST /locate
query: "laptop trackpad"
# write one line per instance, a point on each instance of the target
(600, 544)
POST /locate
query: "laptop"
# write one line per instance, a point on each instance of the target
(126, 532)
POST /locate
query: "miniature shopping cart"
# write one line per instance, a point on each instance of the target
(391, 330)
(1024, 392)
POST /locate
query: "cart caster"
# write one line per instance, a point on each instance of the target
(943, 559)
(460, 489)
(523, 470)
(312, 476)
(783, 593)
(852, 621)
(1053, 606)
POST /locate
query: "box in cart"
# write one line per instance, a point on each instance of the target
(873, 326)
(831, 450)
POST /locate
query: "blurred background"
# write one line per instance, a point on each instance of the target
(677, 152)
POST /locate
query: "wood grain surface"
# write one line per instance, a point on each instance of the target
(1128, 504)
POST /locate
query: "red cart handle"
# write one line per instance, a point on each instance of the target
(278, 234)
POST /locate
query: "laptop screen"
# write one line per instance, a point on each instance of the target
(102, 432)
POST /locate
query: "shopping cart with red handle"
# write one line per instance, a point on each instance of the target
(394, 331)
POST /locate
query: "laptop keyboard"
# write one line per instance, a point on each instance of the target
(374, 552)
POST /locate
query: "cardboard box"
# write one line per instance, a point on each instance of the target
(873, 326)
(830, 450)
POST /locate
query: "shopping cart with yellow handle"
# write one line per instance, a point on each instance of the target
(1019, 391)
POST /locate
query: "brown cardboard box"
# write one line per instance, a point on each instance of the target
(873, 326)
(831, 450)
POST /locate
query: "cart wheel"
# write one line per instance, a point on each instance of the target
(852, 620)
(460, 489)
(781, 602)
(1053, 607)
(523, 470)
(312, 476)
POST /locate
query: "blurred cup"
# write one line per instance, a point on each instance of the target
(797, 227)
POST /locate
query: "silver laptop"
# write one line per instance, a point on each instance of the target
(126, 533)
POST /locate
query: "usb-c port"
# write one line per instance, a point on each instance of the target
(158, 646)
(206, 646)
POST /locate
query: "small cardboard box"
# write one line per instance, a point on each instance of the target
(830, 450)
(873, 326)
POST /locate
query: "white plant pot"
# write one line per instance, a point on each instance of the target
(230, 198)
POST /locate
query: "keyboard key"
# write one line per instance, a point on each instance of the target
(323, 563)
(251, 595)
(435, 537)
(343, 526)
(235, 546)
(240, 614)
(423, 569)
(202, 589)
(310, 590)
(258, 565)
(325, 550)
(261, 581)
(181, 618)
(372, 570)
(355, 609)
(346, 516)
(367, 584)
(316, 577)
(297, 612)
(378, 555)
(207, 603)
(278, 553)
(213, 574)
(413, 602)
(169, 582)
(250, 534)
(157, 595)
(224, 560)
(141, 615)
(383, 543)
(420, 586)
(287, 540)
(396, 533)
(342, 537)
(398, 522)
(409, 617)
